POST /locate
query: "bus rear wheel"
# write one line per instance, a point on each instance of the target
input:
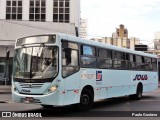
(138, 94)
(86, 100)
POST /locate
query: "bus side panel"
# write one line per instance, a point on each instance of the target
(122, 82)
(152, 82)
(104, 92)
(88, 77)
(72, 97)
(107, 83)
(72, 89)
(119, 83)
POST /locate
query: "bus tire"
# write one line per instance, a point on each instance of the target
(86, 100)
(138, 94)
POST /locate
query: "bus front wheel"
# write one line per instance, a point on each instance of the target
(86, 100)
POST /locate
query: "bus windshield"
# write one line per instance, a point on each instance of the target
(36, 62)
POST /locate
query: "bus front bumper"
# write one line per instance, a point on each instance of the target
(49, 99)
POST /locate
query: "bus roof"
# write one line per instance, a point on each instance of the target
(97, 44)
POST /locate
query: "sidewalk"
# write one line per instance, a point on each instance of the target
(5, 89)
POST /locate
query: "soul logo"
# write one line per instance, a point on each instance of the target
(25, 90)
(140, 77)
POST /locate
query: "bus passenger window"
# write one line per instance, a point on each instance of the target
(87, 50)
(119, 60)
(140, 62)
(154, 64)
(102, 60)
(148, 64)
(123, 62)
(128, 64)
(109, 59)
(88, 56)
(133, 61)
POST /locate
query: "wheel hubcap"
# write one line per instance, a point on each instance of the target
(85, 99)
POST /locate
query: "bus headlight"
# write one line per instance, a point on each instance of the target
(52, 89)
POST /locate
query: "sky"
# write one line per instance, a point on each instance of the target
(140, 17)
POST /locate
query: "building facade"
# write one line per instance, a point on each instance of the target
(120, 39)
(122, 32)
(121, 42)
(19, 18)
(156, 41)
(83, 28)
(157, 35)
(64, 11)
(133, 41)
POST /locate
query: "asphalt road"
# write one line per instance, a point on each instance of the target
(110, 108)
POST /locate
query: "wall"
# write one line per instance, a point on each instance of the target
(3, 51)
(11, 30)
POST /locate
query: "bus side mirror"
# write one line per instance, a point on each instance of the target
(68, 55)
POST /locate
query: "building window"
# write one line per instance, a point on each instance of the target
(61, 11)
(37, 10)
(14, 9)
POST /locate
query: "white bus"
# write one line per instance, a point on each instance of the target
(58, 70)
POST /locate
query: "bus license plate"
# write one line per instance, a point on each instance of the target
(29, 99)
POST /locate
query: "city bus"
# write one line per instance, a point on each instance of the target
(59, 70)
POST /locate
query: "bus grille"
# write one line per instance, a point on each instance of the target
(29, 85)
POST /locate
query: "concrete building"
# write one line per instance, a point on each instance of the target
(122, 31)
(83, 28)
(120, 39)
(19, 18)
(157, 35)
(157, 42)
(122, 42)
(64, 11)
(133, 41)
(156, 49)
